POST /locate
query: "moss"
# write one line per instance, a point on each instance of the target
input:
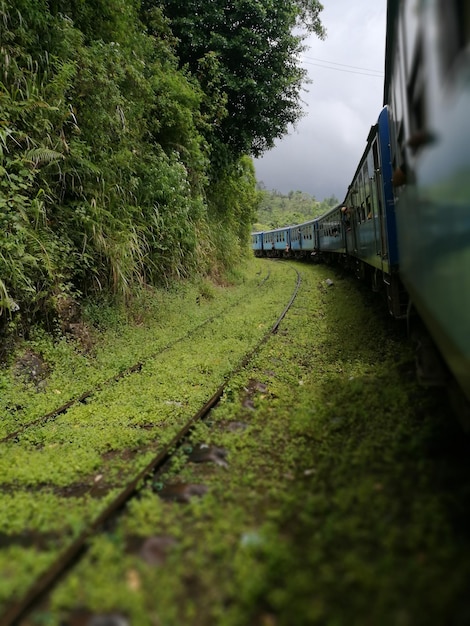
(345, 496)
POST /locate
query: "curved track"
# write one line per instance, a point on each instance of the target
(135, 368)
(70, 556)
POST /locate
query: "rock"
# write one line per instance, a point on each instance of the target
(182, 492)
(32, 368)
(154, 550)
(205, 453)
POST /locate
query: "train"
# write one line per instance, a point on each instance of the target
(404, 223)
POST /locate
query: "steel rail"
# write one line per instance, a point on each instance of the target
(65, 561)
(137, 367)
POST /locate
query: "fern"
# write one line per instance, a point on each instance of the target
(39, 156)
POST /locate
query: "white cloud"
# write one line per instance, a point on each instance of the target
(342, 102)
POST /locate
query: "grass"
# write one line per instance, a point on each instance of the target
(114, 435)
(345, 499)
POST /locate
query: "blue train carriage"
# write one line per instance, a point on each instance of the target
(304, 239)
(257, 243)
(427, 86)
(370, 221)
(276, 242)
(331, 229)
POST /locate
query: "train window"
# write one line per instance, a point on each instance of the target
(417, 96)
(360, 184)
(400, 144)
(375, 153)
(365, 172)
(363, 213)
(454, 20)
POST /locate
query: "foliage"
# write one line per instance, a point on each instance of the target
(31, 254)
(105, 20)
(277, 210)
(257, 46)
(123, 161)
(233, 201)
(102, 165)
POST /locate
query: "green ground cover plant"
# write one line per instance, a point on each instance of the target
(99, 445)
(342, 500)
(120, 338)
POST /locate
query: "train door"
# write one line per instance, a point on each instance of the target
(379, 206)
(350, 225)
(350, 221)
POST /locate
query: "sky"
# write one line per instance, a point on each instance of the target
(343, 101)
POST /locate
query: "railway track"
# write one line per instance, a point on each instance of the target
(69, 555)
(284, 497)
(132, 369)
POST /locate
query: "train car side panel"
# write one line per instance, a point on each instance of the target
(331, 232)
(257, 243)
(433, 160)
(302, 239)
(276, 242)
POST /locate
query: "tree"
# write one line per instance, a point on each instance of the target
(258, 54)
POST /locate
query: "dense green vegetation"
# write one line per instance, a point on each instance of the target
(126, 134)
(187, 341)
(256, 47)
(276, 209)
(343, 499)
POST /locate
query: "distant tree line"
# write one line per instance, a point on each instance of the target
(276, 209)
(127, 129)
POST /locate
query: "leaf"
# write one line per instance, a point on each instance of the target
(39, 156)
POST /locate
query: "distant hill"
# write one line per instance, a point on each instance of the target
(277, 210)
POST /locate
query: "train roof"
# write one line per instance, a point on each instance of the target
(276, 230)
(381, 121)
(312, 221)
(330, 212)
